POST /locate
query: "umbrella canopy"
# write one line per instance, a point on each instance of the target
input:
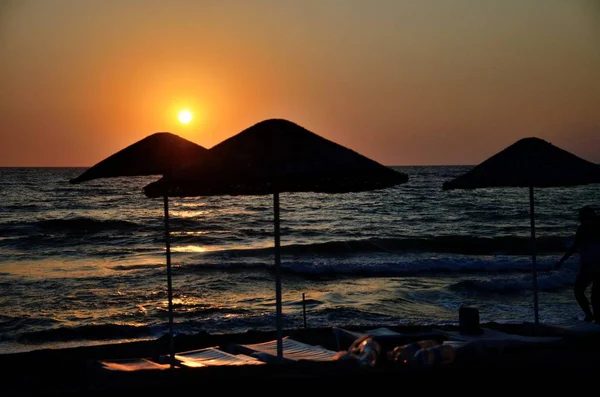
(276, 156)
(272, 157)
(154, 155)
(530, 162)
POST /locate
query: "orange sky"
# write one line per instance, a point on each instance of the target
(402, 82)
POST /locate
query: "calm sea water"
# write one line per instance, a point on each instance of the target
(85, 264)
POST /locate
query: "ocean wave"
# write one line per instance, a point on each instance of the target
(546, 282)
(411, 267)
(9, 324)
(88, 332)
(85, 224)
(185, 311)
(308, 302)
(457, 244)
(452, 244)
(351, 316)
(231, 323)
(24, 207)
(138, 266)
(381, 266)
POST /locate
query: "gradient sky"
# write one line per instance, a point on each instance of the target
(403, 82)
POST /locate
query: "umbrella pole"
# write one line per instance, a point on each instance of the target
(169, 285)
(533, 261)
(278, 276)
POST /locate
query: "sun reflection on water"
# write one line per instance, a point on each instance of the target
(188, 213)
(184, 233)
(189, 248)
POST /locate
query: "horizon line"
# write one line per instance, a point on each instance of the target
(89, 166)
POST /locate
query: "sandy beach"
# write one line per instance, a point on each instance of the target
(77, 371)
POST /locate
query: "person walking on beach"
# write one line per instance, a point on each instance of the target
(587, 242)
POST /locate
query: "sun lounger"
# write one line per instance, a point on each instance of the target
(132, 364)
(213, 356)
(292, 351)
(578, 332)
(344, 337)
(577, 327)
(495, 339)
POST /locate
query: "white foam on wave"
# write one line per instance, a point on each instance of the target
(411, 264)
(546, 281)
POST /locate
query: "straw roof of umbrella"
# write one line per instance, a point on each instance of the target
(532, 163)
(276, 155)
(153, 155)
(529, 162)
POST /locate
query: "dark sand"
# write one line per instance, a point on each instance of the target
(75, 371)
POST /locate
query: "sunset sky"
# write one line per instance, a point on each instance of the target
(402, 82)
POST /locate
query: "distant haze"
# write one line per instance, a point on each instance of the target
(402, 82)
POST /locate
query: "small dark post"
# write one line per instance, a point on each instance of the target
(468, 321)
(304, 309)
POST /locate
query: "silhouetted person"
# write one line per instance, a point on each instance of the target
(587, 242)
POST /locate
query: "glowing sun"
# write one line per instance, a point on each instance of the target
(185, 116)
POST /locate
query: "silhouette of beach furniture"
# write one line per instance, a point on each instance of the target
(213, 356)
(292, 351)
(385, 336)
(498, 340)
(131, 365)
(119, 374)
(573, 332)
(578, 327)
(127, 374)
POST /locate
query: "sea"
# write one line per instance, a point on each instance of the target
(85, 264)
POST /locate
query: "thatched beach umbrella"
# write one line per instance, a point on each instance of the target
(529, 162)
(273, 157)
(154, 155)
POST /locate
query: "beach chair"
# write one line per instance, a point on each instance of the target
(574, 332)
(377, 332)
(499, 341)
(344, 338)
(292, 351)
(213, 356)
(131, 365)
(127, 374)
(574, 327)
